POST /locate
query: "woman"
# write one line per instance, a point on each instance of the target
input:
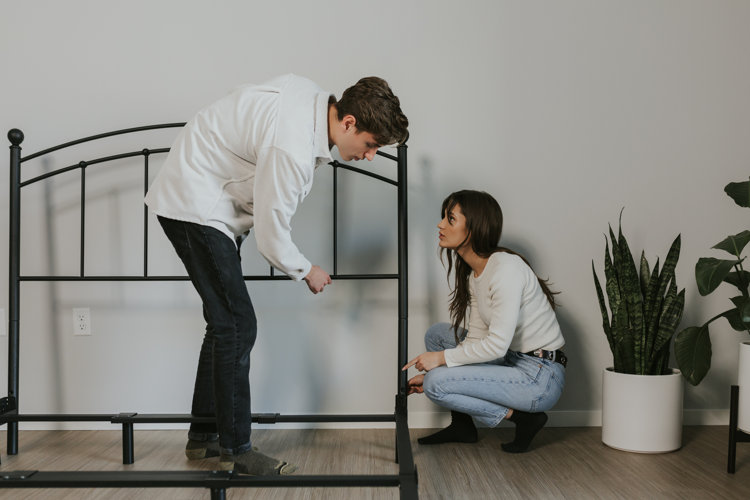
(507, 363)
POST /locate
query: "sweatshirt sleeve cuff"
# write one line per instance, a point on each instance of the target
(305, 271)
(449, 355)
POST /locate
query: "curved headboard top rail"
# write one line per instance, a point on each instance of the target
(16, 133)
(16, 137)
(143, 152)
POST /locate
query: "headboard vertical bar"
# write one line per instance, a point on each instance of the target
(145, 213)
(335, 215)
(83, 214)
(403, 285)
(16, 138)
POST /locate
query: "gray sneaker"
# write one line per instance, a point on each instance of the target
(198, 450)
(254, 463)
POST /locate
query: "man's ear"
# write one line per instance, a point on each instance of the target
(348, 121)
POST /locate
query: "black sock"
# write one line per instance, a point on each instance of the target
(461, 430)
(527, 425)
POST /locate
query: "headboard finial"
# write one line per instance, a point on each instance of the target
(15, 136)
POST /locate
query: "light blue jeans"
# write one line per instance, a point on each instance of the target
(486, 391)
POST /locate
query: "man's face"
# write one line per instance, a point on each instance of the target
(356, 145)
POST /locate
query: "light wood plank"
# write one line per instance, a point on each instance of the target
(564, 463)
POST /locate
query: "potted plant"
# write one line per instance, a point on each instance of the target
(641, 395)
(693, 344)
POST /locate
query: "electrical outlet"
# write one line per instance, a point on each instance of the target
(3, 324)
(81, 321)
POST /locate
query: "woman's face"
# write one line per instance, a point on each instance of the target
(453, 229)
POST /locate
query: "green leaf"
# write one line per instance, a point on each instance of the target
(733, 316)
(645, 274)
(631, 292)
(603, 308)
(740, 280)
(739, 192)
(710, 272)
(613, 290)
(659, 299)
(743, 308)
(734, 244)
(668, 322)
(650, 304)
(692, 349)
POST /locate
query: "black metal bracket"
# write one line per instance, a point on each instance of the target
(735, 434)
(266, 418)
(16, 475)
(7, 406)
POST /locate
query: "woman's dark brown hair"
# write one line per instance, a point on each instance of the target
(484, 224)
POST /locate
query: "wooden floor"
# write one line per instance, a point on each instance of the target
(564, 463)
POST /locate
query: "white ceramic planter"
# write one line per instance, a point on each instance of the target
(642, 413)
(743, 380)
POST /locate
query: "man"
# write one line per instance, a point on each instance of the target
(247, 161)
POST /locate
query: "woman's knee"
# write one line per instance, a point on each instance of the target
(433, 384)
(438, 335)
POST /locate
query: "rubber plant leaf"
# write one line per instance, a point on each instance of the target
(743, 308)
(740, 280)
(739, 192)
(734, 244)
(733, 316)
(710, 272)
(692, 349)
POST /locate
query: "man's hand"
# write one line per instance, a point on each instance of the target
(415, 384)
(317, 279)
(426, 361)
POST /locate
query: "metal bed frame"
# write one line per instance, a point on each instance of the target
(216, 481)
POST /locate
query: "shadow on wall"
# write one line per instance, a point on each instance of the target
(577, 381)
(427, 216)
(113, 222)
(59, 241)
(52, 294)
(352, 317)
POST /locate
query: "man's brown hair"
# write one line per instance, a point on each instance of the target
(376, 110)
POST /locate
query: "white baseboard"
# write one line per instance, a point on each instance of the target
(705, 417)
(417, 420)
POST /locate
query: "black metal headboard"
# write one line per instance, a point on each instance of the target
(9, 406)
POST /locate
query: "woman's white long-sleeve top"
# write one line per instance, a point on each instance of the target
(509, 311)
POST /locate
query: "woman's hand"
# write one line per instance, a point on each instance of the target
(415, 384)
(426, 361)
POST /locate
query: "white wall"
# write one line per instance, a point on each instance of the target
(564, 111)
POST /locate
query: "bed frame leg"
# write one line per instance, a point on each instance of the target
(12, 438)
(408, 488)
(396, 447)
(736, 435)
(127, 443)
(218, 493)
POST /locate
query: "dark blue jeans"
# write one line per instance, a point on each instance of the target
(222, 384)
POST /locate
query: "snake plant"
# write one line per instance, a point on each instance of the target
(645, 309)
(693, 344)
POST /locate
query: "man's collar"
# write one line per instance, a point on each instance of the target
(321, 127)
